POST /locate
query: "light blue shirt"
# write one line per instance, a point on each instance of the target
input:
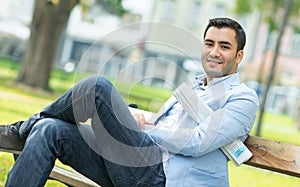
(193, 149)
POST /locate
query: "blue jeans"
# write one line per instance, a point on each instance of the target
(112, 151)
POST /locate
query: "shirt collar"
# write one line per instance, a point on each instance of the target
(228, 81)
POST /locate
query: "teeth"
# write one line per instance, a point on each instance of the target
(215, 61)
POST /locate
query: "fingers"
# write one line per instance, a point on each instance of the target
(140, 118)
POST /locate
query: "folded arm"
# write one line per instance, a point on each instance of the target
(233, 120)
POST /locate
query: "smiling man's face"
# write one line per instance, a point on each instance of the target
(219, 53)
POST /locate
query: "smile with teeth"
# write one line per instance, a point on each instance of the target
(214, 61)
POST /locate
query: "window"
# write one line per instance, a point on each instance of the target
(272, 40)
(169, 10)
(194, 17)
(219, 10)
(295, 45)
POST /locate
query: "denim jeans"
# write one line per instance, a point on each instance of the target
(112, 151)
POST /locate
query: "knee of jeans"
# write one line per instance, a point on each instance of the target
(102, 85)
(95, 82)
(48, 128)
(42, 133)
(101, 81)
(44, 125)
(97, 79)
(56, 129)
(47, 134)
(92, 79)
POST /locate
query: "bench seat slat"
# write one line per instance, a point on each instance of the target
(71, 177)
(273, 155)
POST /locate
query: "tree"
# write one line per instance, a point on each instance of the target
(275, 22)
(49, 21)
(270, 78)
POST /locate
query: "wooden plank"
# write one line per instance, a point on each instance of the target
(273, 155)
(10, 151)
(71, 178)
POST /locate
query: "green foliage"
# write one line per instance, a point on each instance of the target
(113, 6)
(273, 25)
(266, 5)
(296, 28)
(296, 8)
(271, 10)
(243, 7)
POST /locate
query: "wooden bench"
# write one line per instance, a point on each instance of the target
(71, 177)
(267, 154)
(274, 156)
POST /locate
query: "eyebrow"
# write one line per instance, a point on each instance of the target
(221, 42)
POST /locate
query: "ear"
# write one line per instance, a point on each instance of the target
(239, 56)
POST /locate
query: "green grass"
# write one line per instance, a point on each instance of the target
(17, 102)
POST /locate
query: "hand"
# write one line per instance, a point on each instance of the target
(140, 119)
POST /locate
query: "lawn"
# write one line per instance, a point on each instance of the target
(18, 102)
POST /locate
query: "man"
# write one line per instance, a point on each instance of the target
(121, 150)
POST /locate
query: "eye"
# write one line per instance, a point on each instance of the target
(225, 47)
(209, 44)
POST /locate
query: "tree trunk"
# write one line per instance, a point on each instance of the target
(287, 8)
(48, 23)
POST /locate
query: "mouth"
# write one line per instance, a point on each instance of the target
(214, 61)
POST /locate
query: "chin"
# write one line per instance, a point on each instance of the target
(214, 74)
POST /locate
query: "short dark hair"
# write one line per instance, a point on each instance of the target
(219, 23)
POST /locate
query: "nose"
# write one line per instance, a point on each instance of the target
(215, 52)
